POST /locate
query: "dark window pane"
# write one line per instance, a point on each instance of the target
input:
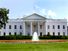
(4, 33)
(15, 33)
(53, 27)
(15, 26)
(40, 33)
(58, 33)
(48, 27)
(53, 33)
(63, 26)
(9, 33)
(20, 26)
(9, 26)
(58, 26)
(48, 34)
(40, 26)
(63, 33)
(20, 33)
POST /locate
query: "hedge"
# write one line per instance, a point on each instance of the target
(14, 37)
(21, 37)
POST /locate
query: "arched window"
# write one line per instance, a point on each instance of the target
(4, 33)
(48, 27)
(63, 33)
(58, 26)
(9, 33)
(15, 33)
(15, 26)
(40, 26)
(53, 27)
(63, 26)
(9, 26)
(53, 33)
(58, 33)
(20, 26)
(20, 33)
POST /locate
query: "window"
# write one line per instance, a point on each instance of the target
(28, 34)
(58, 26)
(63, 33)
(53, 33)
(15, 26)
(34, 26)
(28, 25)
(40, 26)
(58, 33)
(20, 33)
(4, 33)
(20, 26)
(40, 33)
(9, 26)
(4, 26)
(53, 27)
(48, 34)
(9, 33)
(15, 33)
(48, 27)
(63, 26)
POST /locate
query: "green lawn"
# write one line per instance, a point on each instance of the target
(34, 47)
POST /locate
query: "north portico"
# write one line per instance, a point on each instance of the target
(34, 23)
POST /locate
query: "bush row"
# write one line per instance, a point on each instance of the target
(53, 37)
(20, 37)
(13, 37)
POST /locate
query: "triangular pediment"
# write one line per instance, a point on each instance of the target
(34, 16)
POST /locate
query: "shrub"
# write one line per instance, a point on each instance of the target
(21, 37)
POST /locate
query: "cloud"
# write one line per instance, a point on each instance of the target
(51, 13)
(43, 11)
(40, 10)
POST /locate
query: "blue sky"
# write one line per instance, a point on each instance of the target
(50, 8)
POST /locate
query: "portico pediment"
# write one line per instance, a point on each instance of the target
(34, 16)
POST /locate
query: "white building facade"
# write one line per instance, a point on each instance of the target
(35, 23)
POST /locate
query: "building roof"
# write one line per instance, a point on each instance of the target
(34, 16)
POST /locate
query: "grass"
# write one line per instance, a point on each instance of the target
(34, 46)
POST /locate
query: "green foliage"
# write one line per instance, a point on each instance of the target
(14, 37)
(22, 37)
(3, 16)
(53, 37)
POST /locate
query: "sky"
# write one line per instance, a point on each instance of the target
(56, 9)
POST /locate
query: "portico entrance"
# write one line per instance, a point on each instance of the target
(34, 26)
(34, 23)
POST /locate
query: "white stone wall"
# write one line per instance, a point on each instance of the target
(12, 30)
(56, 22)
(44, 29)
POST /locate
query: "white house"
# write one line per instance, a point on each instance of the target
(35, 23)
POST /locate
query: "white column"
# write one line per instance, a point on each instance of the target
(44, 28)
(31, 27)
(24, 28)
(38, 29)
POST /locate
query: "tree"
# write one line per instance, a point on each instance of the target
(3, 16)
